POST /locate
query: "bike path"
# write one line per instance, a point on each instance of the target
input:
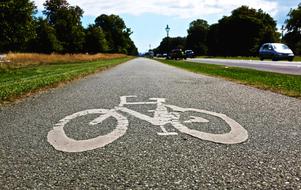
(142, 159)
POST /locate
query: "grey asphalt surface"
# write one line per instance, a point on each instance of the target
(286, 67)
(269, 159)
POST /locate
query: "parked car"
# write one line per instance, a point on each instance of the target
(189, 54)
(177, 54)
(275, 51)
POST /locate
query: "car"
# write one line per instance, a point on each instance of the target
(159, 55)
(275, 51)
(177, 54)
(189, 53)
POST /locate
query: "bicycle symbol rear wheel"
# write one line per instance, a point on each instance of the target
(60, 141)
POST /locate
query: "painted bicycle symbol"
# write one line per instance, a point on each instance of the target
(60, 141)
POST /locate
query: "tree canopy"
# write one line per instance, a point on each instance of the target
(46, 40)
(61, 30)
(168, 43)
(116, 32)
(95, 40)
(242, 33)
(197, 36)
(16, 24)
(66, 20)
(293, 27)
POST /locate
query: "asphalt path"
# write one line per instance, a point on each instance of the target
(270, 157)
(286, 67)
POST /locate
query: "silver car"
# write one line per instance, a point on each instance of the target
(276, 51)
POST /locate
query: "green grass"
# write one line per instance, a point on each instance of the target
(236, 58)
(297, 58)
(17, 82)
(289, 85)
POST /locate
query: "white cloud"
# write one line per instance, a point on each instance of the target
(177, 8)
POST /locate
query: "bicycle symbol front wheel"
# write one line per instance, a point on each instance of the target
(237, 133)
(60, 141)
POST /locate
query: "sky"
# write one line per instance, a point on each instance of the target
(148, 19)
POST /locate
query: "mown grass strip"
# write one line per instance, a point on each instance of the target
(289, 85)
(297, 58)
(18, 82)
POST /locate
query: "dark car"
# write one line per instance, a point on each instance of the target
(276, 51)
(177, 54)
(189, 54)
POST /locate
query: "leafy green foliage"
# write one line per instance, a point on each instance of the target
(293, 27)
(66, 20)
(95, 40)
(46, 41)
(242, 33)
(197, 37)
(61, 31)
(116, 32)
(131, 49)
(167, 44)
(16, 24)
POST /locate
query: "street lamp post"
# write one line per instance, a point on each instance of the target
(167, 30)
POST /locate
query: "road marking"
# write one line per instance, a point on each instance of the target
(60, 141)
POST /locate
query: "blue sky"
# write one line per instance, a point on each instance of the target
(148, 19)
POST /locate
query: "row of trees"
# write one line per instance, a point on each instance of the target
(293, 27)
(61, 30)
(240, 34)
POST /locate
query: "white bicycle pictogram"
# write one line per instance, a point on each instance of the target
(60, 141)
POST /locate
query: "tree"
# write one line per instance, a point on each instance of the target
(197, 36)
(212, 40)
(243, 32)
(132, 49)
(167, 44)
(66, 20)
(16, 24)
(116, 32)
(95, 41)
(52, 7)
(45, 41)
(293, 27)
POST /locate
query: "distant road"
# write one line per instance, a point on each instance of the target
(272, 66)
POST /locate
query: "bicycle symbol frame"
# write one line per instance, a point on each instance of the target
(60, 141)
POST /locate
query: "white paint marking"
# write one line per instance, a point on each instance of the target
(165, 132)
(60, 141)
(236, 135)
(195, 119)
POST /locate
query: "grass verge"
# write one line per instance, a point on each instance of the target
(297, 58)
(18, 82)
(289, 85)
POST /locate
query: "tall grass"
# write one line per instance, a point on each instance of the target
(17, 60)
